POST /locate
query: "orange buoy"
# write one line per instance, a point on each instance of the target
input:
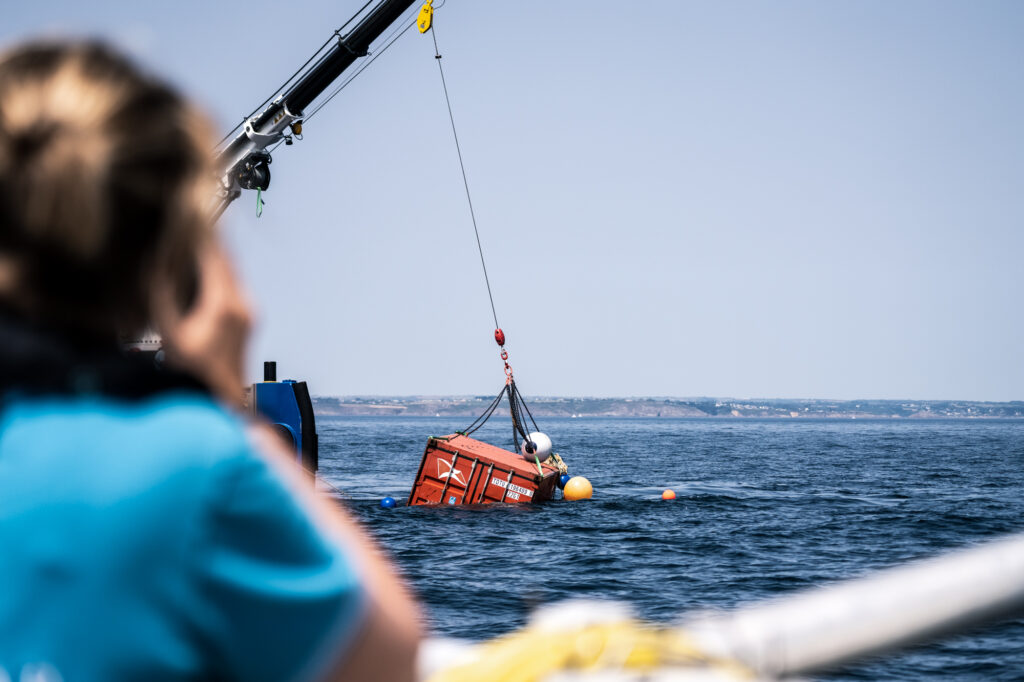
(668, 495)
(578, 488)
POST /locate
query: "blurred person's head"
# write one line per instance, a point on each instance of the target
(104, 182)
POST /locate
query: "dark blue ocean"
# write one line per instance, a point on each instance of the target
(764, 507)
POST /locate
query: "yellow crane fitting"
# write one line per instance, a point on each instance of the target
(426, 16)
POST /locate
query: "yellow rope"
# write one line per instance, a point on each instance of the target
(563, 468)
(530, 655)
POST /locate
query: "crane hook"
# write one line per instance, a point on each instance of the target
(426, 16)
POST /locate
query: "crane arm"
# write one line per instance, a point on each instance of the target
(244, 162)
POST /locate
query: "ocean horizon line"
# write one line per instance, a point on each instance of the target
(698, 407)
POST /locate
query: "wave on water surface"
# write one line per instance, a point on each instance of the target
(763, 508)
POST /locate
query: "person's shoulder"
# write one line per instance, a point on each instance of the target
(188, 422)
(185, 429)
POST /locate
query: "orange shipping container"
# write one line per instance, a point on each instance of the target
(457, 469)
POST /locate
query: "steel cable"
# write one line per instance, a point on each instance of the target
(300, 70)
(465, 181)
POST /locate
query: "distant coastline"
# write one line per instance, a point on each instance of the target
(709, 408)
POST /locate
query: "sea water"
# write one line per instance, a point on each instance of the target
(764, 508)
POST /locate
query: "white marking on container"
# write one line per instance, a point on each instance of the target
(512, 487)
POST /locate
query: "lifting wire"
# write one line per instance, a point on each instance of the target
(517, 406)
(333, 487)
(387, 42)
(316, 59)
(465, 181)
(301, 69)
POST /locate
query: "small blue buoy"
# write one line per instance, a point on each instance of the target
(563, 479)
(388, 503)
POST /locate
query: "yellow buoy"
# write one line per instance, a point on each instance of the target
(668, 494)
(578, 488)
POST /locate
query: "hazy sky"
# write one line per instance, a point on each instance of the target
(748, 199)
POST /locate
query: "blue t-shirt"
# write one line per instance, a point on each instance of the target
(148, 541)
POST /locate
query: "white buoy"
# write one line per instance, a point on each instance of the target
(541, 444)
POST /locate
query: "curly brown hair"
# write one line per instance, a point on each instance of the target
(105, 179)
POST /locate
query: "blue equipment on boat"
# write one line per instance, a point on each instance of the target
(289, 409)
